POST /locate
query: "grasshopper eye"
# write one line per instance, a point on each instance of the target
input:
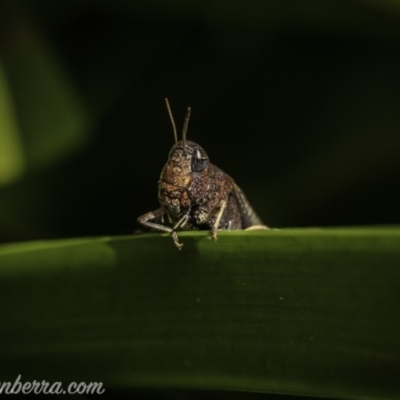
(199, 161)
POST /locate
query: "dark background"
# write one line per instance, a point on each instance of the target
(298, 101)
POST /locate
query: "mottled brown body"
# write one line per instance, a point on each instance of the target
(195, 194)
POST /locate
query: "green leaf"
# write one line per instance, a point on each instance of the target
(302, 311)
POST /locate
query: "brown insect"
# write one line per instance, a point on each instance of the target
(195, 194)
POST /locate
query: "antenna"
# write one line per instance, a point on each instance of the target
(185, 125)
(172, 121)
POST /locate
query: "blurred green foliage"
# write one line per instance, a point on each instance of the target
(11, 154)
(299, 102)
